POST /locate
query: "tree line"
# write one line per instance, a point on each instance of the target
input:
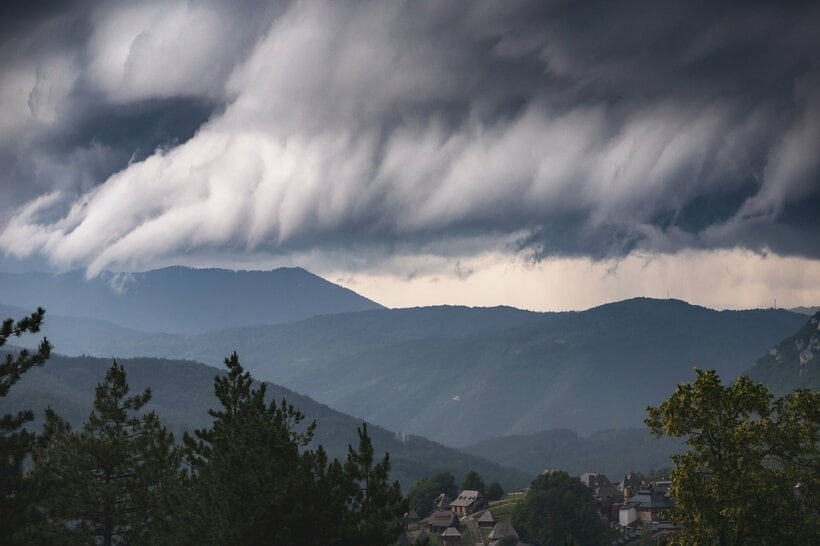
(121, 478)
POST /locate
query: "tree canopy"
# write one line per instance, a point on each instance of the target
(424, 491)
(16, 442)
(752, 473)
(556, 508)
(111, 481)
(254, 480)
(472, 481)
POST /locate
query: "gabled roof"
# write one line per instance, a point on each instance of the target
(649, 498)
(501, 530)
(440, 518)
(451, 532)
(466, 498)
(594, 479)
(487, 517)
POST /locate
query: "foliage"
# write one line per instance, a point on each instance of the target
(494, 492)
(110, 482)
(249, 477)
(182, 393)
(557, 507)
(472, 481)
(752, 473)
(377, 505)
(253, 480)
(16, 442)
(425, 490)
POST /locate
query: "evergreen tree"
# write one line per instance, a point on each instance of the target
(473, 482)
(253, 480)
(378, 507)
(16, 442)
(495, 492)
(111, 481)
(752, 472)
(252, 484)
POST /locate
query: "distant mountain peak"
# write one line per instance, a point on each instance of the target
(179, 299)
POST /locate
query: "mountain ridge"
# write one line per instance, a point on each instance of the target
(183, 300)
(461, 375)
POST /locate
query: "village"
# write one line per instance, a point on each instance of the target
(633, 508)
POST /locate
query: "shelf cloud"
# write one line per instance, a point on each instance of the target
(144, 131)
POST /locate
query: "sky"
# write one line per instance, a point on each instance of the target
(549, 155)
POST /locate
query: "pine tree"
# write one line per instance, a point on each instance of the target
(378, 505)
(254, 481)
(110, 482)
(16, 442)
(251, 482)
(472, 481)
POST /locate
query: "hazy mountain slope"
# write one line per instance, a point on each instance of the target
(60, 329)
(183, 300)
(613, 452)
(792, 363)
(183, 392)
(320, 339)
(461, 375)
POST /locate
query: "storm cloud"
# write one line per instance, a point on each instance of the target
(143, 131)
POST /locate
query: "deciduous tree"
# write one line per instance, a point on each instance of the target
(425, 490)
(558, 507)
(752, 473)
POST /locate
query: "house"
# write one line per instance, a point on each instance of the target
(645, 506)
(604, 491)
(440, 520)
(467, 502)
(487, 519)
(650, 504)
(634, 481)
(502, 529)
(451, 535)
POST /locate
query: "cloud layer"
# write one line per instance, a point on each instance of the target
(142, 132)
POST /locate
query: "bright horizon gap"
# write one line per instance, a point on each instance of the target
(722, 279)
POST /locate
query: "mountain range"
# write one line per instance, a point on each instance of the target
(181, 299)
(524, 389)
(462, 375)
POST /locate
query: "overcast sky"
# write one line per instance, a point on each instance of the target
(547, 155)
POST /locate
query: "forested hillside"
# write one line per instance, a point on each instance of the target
(462, 375)
(183, 393)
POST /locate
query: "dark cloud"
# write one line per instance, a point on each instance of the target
(576, 129)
